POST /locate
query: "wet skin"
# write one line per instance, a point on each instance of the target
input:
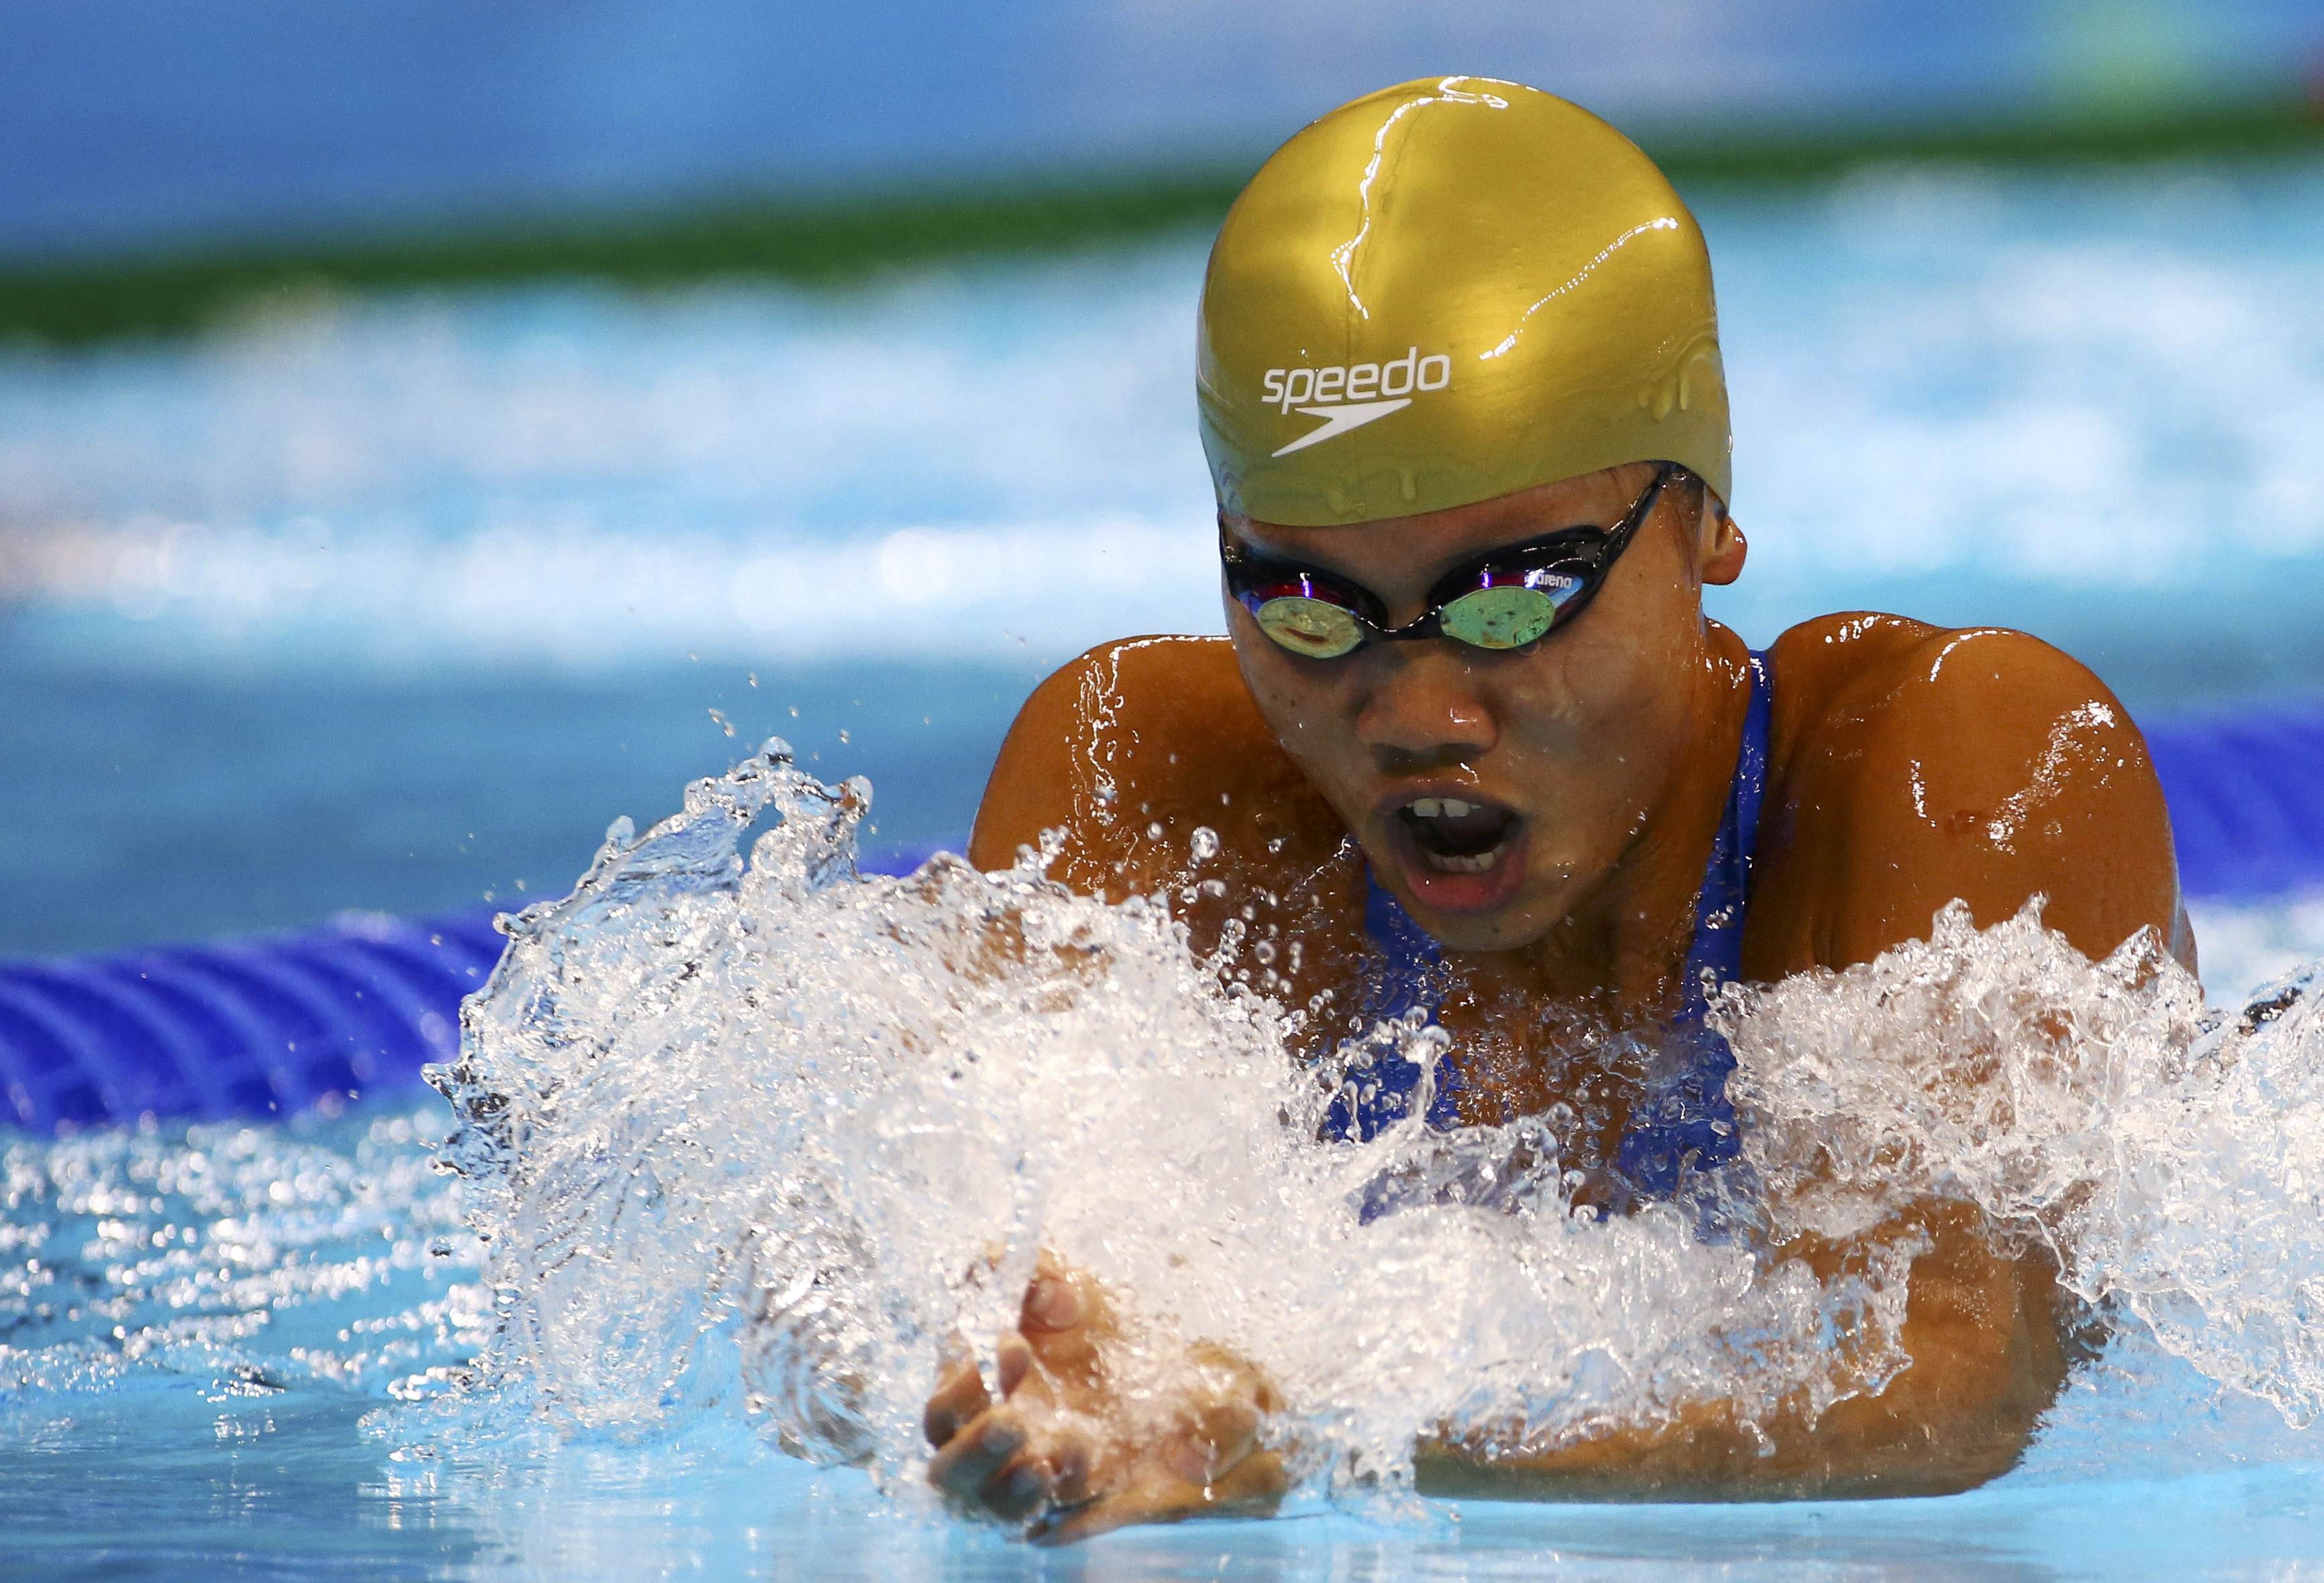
(1908, 767)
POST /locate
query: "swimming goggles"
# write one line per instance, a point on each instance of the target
(1503, 600)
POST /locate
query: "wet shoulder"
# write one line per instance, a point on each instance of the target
(1131, 749)
(1911, 764)
(1845, 683)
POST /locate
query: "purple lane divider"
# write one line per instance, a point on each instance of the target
(258, 1027)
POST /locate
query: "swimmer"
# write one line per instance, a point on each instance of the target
(1460, 387)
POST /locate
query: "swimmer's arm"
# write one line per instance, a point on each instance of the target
(1979, 765)
(1988, 1359)
(1065, 1450)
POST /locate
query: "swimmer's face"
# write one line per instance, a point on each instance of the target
(1494, 792)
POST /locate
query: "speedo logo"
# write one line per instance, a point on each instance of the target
(1353, 394)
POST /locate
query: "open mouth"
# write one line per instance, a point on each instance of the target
(1456, 836)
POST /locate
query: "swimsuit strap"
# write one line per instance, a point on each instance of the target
(1402, 977)
(1683, 1119)
(1716, 957)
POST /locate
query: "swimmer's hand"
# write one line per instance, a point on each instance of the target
(1067, 1453)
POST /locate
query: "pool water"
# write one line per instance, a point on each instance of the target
(293, 1490)
(238, 1351)
(393, 602)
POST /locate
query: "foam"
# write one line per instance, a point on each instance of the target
(757, 1138)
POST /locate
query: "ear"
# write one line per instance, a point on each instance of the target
(1719, 543)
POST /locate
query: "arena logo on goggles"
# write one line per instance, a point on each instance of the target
(1352, 396)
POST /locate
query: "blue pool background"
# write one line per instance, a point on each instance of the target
(393, 602)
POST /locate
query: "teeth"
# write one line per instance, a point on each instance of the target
(1451, 865)
(1440, 807)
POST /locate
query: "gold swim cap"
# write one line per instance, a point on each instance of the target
(1449, 290)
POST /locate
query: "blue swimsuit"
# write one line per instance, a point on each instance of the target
(1682, 1121)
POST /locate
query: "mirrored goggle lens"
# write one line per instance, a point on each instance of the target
(1502, 619)
(1314, 628)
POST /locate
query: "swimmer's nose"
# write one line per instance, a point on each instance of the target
(1425, 707)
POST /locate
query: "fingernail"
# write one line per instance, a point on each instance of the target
(1054, 1304)
(1192, 1460)
(1003, 1440)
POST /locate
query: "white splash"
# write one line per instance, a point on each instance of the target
(758, 1137)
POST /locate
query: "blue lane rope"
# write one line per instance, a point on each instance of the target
(239, 1028)
(269, 1026)
(252, 1028)
(2246, 797)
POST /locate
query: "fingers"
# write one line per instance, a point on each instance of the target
(1065, 1321)
(959, 1397)
(1013, 1360)
(1253, 1487)
(968, 1460)
(1231, 1374)
(960, 1394)
(1073, 1462)
(1019, 1489)
(1218, 1436)
(1055, 1299)
(1054, 1471)
(995, 1465)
